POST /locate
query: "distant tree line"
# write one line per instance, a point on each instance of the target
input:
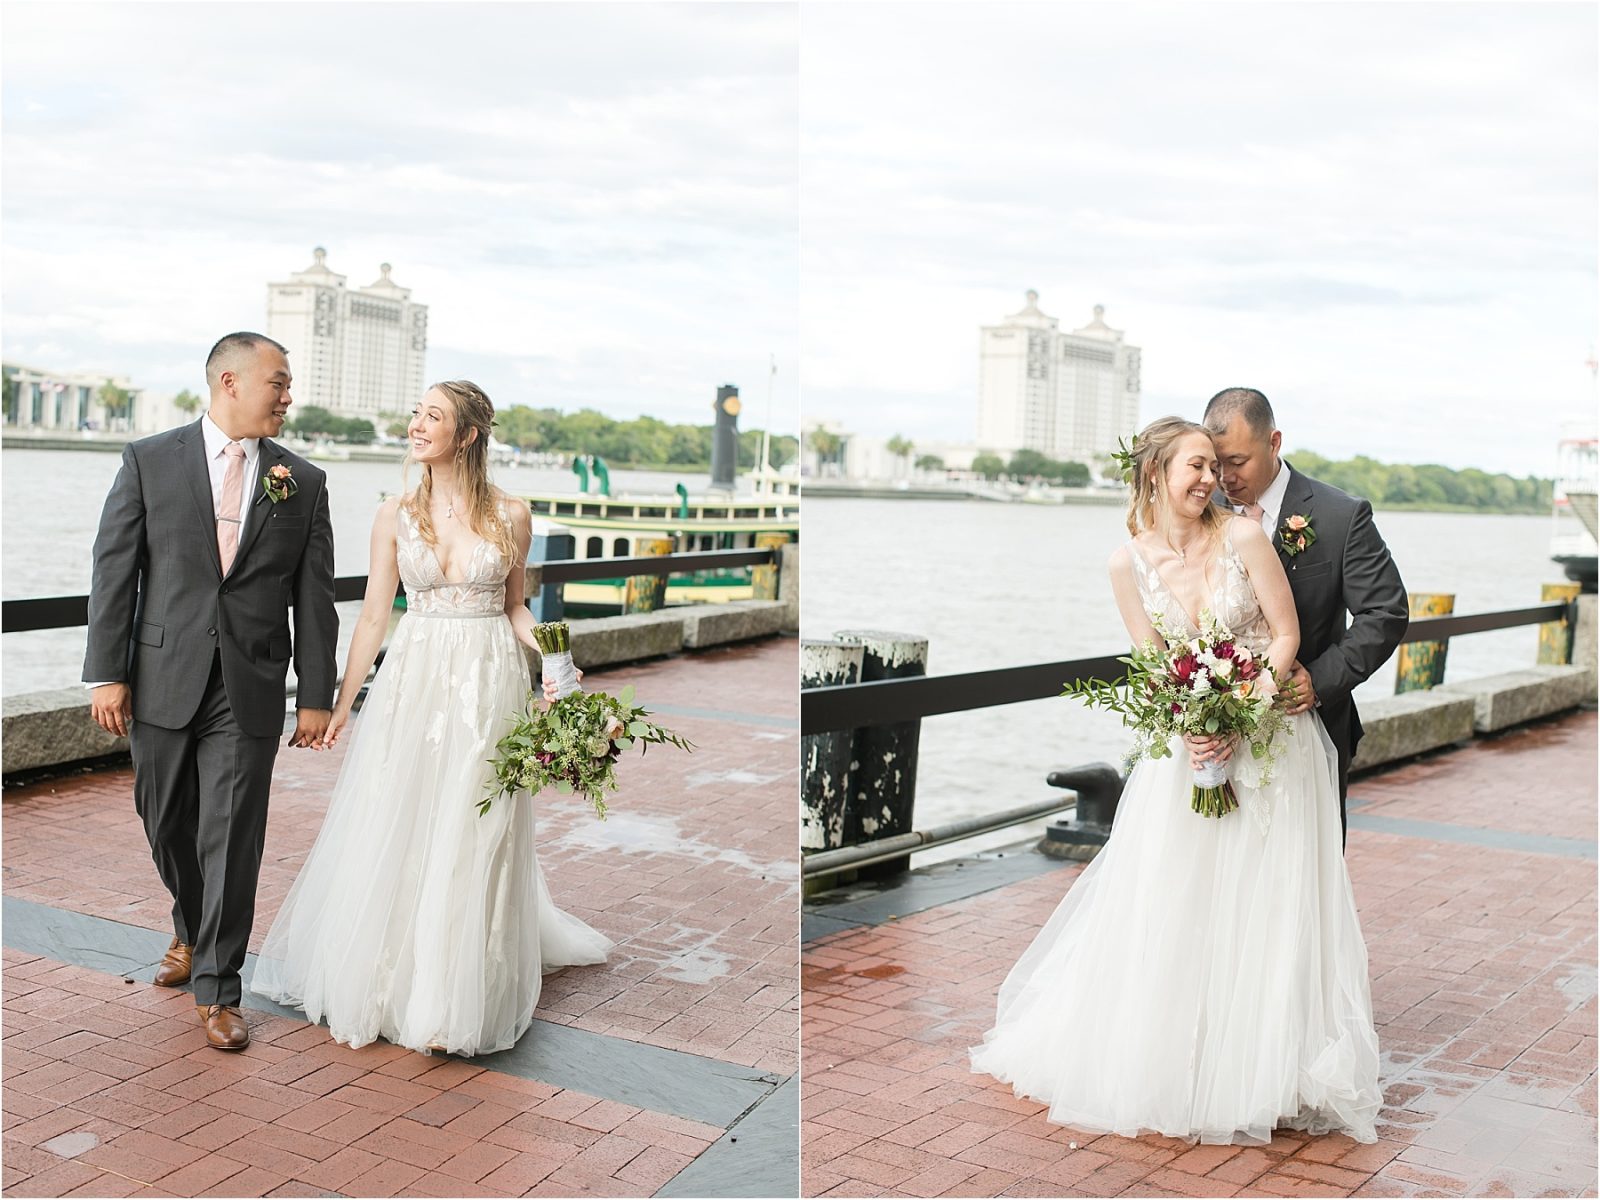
(311, 421)
(1030, 464)
(1428, 485)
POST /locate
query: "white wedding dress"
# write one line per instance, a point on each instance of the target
(415, 919)
(1205, 978)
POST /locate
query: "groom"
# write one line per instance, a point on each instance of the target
(210, 532)
(1344, 567)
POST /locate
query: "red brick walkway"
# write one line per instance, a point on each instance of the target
(110, 1090)
(1483, 969)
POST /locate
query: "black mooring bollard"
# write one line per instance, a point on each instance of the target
(1099, 787)
(883, 767)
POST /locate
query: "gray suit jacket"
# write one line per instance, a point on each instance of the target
(1347, 569)
(160, 607)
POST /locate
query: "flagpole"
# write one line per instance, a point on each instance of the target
(766, 429)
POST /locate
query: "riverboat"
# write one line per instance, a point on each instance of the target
(606, 526)
(1575, 536)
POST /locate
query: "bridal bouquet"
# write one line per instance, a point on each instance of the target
(574, 744)
(1208, 685)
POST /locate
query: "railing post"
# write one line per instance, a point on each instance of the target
(550, 543)
(764, 579)
(883, 758)
(1555, 637)
(644, 593)
(789, 586)
(825, 809)
(1419, 666)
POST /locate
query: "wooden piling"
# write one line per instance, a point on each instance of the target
(645, 593)
(1419, 666)
(764, 580)
(1555, 637)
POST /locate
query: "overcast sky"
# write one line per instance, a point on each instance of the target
(597, 203)
(1382, 215)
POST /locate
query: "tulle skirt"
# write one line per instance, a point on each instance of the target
(414, 919)
(1205, 978)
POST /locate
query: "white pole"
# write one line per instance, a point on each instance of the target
(766, 430)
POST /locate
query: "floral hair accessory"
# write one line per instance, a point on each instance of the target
(1123, 457)
(1295, 535)
(279, 484)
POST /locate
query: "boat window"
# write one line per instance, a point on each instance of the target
(652, 512)
(705, 541)
(619, 548)
(594, 548)
(565, 510)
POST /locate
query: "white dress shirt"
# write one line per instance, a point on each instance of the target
(1271, 501)
(217, 464)
(217, 467)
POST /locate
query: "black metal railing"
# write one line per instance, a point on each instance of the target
(66, 612)
(885, 702)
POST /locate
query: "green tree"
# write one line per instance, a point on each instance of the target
(117, 401)
(990, 466)
(313, 420)
(929, 462)
(186, 402)
(1030, 464)
(900, 447)
(1074, 474)
(824, 445)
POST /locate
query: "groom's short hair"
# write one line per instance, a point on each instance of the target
(228, 348)
(1240, 402)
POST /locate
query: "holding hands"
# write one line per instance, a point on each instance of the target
(550, 686)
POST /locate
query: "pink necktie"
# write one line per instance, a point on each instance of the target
(228, 506)
(1255, 512)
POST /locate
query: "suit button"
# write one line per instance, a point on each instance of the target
(224, 589)
(211, 633)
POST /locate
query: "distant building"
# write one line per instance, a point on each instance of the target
(1067, 395)
(356, 352)
(66, 401)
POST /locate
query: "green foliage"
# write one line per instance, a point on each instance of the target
(573, 746)
(825, 445)
(642, 440)
(929, 462)
(1030, 464)
(1427, 486)
(313, 421)
(186, 401)
(117, 401)
(990, 466)
(899, 446)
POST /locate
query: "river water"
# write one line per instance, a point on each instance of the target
(51, 508)
(995, 585)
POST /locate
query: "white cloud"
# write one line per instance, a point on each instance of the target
(1382, 215)
(598, 203)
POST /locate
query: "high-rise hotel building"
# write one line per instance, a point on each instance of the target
(357, 352)
(1067, 395)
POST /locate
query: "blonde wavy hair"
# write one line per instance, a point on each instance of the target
(1153, 452)
(474, 413)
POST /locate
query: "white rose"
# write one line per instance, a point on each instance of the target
(614, 728)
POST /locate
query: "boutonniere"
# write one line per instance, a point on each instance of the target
(279, 484)
(1295, 535)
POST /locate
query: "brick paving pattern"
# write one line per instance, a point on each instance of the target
(1483, 983)
(110, 1090)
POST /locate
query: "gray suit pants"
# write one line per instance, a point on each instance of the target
(202, 794)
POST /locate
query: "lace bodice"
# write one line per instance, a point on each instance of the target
(479, 592)
(1233, 600)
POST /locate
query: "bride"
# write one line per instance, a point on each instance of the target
(1205, 978)
(415, 919)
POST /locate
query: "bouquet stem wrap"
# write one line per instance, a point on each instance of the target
(555, 657)
(1213, 793)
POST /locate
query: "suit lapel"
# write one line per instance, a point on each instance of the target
(196, 471)
(268, 456)
(1296, 502)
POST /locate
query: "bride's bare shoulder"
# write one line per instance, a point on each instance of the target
(1121, 560)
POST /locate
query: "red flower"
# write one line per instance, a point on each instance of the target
(1183, 667)
(1222, 650)
(1177, 708)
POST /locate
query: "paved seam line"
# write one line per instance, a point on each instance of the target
(756, 1157)
(639, 1075)
(1497, 839)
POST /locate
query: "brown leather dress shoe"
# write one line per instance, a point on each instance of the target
(175, 965)
(225, 1027)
